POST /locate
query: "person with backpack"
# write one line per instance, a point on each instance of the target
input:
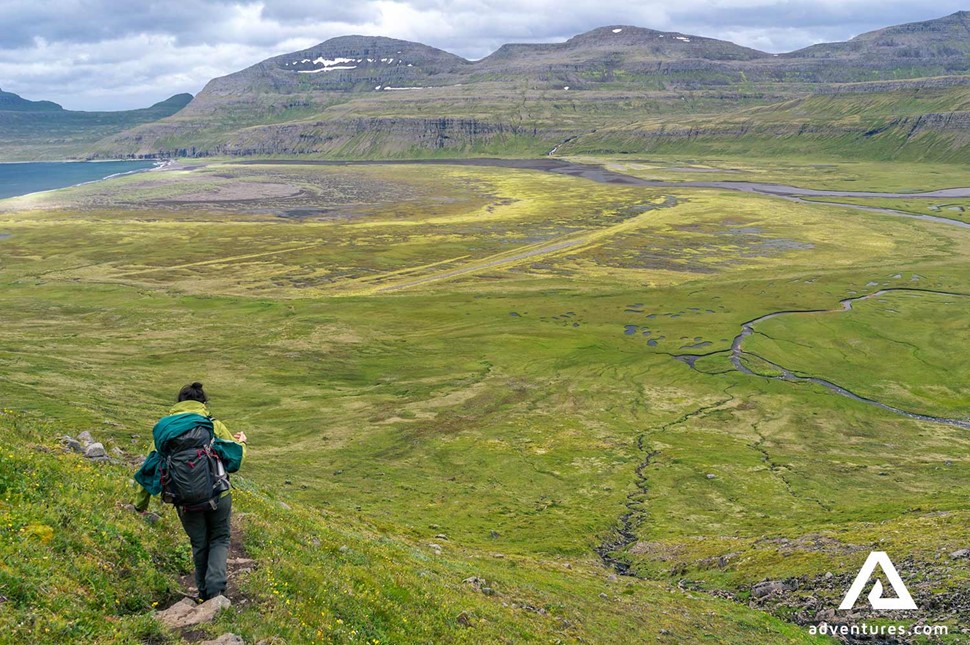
(189, 465)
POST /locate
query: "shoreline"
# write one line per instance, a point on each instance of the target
(157, 165)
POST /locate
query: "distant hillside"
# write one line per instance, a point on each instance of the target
(945, 39)
(372, 97)
(37, 130)
(13, 103)
(896, 123)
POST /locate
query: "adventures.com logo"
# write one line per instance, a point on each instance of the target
(902, 600)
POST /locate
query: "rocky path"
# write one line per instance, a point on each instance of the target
(187, 616)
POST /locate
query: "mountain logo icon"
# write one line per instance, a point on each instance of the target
(879, 558)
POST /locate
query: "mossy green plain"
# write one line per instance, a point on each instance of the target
(422, 350)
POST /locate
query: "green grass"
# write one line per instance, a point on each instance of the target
(950, 208)
(892, 125)
(78, 568)
(437, 349)
(827, 172)
(848, 347)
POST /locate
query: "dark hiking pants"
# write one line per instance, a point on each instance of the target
(208, 531)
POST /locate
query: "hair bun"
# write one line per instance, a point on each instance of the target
(196, 386)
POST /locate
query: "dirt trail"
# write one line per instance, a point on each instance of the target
(508, 258)
(239, 563)
(487, 263)
(236, 258)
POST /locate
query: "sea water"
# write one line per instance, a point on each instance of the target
(22, 178)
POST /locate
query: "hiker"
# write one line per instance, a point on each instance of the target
(183, 440)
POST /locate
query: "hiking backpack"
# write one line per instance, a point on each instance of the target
(192, 474)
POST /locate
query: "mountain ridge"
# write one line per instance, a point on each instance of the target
(374, 96)
(43, 130)
(16, 103)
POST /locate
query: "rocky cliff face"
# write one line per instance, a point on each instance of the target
(361, 137)
(877, 121)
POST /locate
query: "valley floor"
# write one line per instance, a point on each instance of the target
(492, 360)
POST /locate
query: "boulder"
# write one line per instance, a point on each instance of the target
(94, 451)
(187, 612)
(177, 613)
(960, 553)
(767, 588)
(226, 639)
(72, 444)
(85, 438)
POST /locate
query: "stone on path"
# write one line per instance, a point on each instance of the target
(187, 612)
(226, 639)
(241, 562)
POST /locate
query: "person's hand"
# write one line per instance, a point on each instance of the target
(240, 437)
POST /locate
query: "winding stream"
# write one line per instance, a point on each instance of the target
(747, 328)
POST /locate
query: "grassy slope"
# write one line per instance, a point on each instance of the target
(804, 171)
(848, 351)
(489, 119)
(531, 121)
(873, 126)
(78, 568)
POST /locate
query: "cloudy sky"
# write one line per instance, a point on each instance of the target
(121, 54)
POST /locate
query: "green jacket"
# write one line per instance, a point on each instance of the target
(142, 494)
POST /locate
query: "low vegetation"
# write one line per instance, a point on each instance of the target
(489, 355)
